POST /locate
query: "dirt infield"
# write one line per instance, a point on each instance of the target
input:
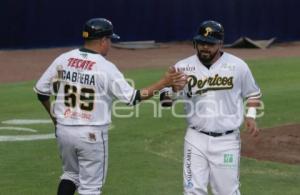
(276, 144)
(21, 65)
(280, 144)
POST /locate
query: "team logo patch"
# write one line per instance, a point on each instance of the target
(189, 185)
(92, 137)
(227, 66)
(84, 55)
(85, 34)
(208, 30)
(228, 158)
(229, 161)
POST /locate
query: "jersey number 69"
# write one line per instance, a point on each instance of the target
(86, 97)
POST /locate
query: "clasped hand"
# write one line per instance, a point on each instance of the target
(175, 79)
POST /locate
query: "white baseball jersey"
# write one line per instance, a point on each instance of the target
(213, 97)
(88, 83)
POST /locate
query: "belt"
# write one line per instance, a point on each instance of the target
(214, 134)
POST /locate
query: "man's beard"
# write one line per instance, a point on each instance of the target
(207, 57)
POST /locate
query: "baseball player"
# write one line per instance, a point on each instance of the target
(218, 84)
(85, 84)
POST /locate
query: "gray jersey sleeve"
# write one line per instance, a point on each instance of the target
(249, 87)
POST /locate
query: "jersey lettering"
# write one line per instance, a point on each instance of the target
(76, 77)
(81, 64)
(187, 68)
(211, 83)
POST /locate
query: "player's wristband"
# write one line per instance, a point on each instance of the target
(251, 112)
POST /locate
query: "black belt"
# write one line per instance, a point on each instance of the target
(214, 134)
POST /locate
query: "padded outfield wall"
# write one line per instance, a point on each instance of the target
(49, 23)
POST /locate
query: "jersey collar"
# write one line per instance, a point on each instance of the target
(82, 49)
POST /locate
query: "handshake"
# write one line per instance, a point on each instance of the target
(175, 79)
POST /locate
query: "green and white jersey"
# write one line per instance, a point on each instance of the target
(213, 98)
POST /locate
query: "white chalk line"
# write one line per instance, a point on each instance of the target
(160, 154)
(26, 121)
(18, 129)
(7, 138)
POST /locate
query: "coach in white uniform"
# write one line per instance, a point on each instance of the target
(85, 84)
(218, 83)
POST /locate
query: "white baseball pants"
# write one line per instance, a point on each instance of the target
(84, 154)
(211, 160)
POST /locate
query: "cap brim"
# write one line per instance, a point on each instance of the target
(115, 36)
(202, 39)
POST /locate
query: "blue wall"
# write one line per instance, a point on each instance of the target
(46, 23)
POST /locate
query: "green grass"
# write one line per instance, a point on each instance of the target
(279, 81)
(146, 152)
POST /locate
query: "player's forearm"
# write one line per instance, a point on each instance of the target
(45, 101)
(171, 78)
(151, 90)
(47, 106)
(253, 103)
